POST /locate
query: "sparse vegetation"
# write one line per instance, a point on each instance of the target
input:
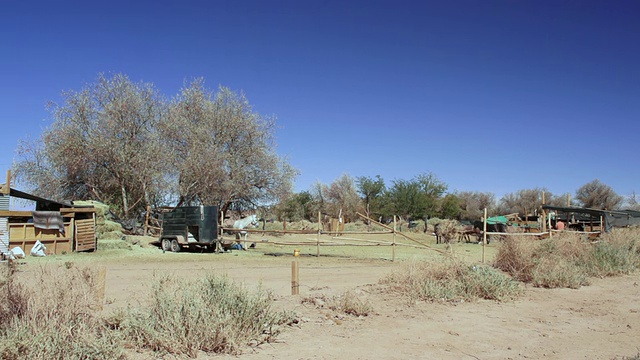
(212, 315)
(568, 260)
(451, 280)
(57, 317)
(54, 319)
(349, 303)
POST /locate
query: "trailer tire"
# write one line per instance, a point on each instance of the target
(175, 246)
(166, 245)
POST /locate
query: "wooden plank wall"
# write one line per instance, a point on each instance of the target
(25, 235)
(85, 235)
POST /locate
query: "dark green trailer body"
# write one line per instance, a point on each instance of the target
(189, 226)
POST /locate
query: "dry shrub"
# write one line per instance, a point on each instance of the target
(213, 315)
(350, 303)
(566, 260)
(549, 263)
(617, 252)
(555, 271)
(451, 280)
(515, 257)
(54, 318)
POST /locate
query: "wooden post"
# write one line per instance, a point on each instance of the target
(568, 200)
(484, 234)
(544, 216)
(393, 245)
(101, 283)
(221, 225)
(146, 220)
(7, 187)
(601, 224)
(295, 278)
(319, 231)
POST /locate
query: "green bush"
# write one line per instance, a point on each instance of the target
(607, 258)
(554, 271)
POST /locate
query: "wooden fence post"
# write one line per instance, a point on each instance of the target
(544, 215)
(393, 245)
(221, 224)
(484, 234)
(295, 278)
(319, 231)
(101, 283)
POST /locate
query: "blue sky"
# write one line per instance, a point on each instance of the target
(488, 95)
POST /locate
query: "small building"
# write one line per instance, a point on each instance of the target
(60, 226)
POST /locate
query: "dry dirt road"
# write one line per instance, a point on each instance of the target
(600, 321)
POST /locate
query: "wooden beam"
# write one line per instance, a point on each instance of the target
(78, 210)
(400, 233)
(12, 213)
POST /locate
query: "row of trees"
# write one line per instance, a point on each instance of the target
(425, 196)
(126, 144)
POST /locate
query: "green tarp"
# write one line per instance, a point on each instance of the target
(497, 220)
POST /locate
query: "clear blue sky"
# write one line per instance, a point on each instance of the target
(488, 95)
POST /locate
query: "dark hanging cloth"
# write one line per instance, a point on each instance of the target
(48, 220)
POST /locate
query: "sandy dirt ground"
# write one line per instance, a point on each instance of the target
(600, 321)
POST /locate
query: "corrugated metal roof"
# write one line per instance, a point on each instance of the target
(4, 202)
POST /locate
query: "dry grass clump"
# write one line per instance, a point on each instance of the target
(549, 263)
(350, 303)
(451, 280)
(55, 317)
(212, 315)
(568, 260)
(113, 244)
(617, 252)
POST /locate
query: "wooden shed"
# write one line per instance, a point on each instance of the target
(60, 226)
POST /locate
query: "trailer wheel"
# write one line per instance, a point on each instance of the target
(166, 245)
(175, 246)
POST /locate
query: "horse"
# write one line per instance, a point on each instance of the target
(478, 225)
(251, 220)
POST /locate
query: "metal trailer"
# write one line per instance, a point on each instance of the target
(192, 226)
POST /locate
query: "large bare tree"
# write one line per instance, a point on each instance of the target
(473, 203)
(371, 190)
(597, 195)
(223, 153)
(529, 201)
(101, 145)
(343, 198)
